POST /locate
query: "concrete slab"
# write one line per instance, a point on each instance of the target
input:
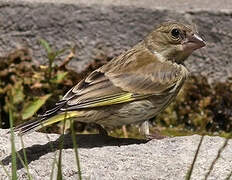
(108, 158)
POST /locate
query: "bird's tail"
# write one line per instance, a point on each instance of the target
(33, 125)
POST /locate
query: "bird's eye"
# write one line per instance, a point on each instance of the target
(175, 33)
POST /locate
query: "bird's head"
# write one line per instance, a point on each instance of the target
(174, 41)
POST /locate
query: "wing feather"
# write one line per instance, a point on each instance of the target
(123, 80)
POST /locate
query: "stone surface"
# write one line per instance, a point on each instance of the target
(115, 158)
(111, 27)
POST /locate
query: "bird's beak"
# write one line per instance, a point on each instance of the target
(193, 42)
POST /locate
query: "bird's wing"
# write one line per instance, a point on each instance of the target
(136, 74)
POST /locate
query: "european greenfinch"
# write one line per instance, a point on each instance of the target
(133, 87)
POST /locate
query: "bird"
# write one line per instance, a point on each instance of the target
(131, 88)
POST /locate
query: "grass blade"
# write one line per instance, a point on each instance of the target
(61, 144)
(7, 173)
(216, 158)
(188, 176)
(13, 151)
(55, 160)
(25, 159)
(53, 166)
(76, 152)
(59, 173)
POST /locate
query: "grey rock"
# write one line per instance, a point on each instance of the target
(111, 27)
(117, 158)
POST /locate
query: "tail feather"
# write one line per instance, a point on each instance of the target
(54, 110)
(30, 126)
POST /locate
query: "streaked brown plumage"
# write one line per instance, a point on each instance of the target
(131, 88)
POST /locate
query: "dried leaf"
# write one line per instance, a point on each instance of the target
(17, 93)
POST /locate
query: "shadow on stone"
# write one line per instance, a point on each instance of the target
(83, 141)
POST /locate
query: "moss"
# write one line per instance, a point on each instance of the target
(200, 107)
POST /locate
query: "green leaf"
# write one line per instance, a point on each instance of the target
(54, 54)
(59, 77)
(59, 52)
(46, 46)
(32, 107)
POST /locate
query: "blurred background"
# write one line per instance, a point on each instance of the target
(46, 47)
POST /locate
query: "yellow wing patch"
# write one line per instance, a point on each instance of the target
(116, 100)
(60, 117)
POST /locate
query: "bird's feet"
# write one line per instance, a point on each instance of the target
(144, 129)
(155, 135)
